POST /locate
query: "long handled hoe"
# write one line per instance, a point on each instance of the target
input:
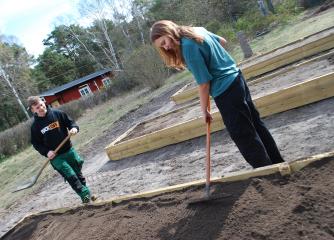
(207, 196)
(34, 178)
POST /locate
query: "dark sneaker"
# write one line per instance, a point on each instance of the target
(85, 199)
(93, 198)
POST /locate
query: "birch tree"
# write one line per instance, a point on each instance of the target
(15, 83)
(138, 17)
(97, 11)
(84, 45)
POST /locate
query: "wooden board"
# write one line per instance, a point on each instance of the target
(298, 95)
(293, 55)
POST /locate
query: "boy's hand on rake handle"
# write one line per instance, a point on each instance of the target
(51, 155)
(73, 131)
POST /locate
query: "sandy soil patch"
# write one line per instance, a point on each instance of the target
(299, 206)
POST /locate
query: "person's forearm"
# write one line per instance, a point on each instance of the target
(223, 42)
(204, 96)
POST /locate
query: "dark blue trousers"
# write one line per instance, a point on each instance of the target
(247, 130)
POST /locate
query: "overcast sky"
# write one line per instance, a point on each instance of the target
(32, 20)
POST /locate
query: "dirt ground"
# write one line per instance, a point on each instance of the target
(300, 206)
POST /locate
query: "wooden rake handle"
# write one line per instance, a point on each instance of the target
(208, 144)
(63, 142)
(34, 179)
(56, 150)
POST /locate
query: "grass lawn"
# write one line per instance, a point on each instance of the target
(297, 28)
(19, 168)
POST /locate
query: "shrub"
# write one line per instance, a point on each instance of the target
(213, 26)
(227, 32)
(75, 109)
(309, 3)
(253, 22)
(145, 67)
(122, 83)
(15, 139)
(287, 8)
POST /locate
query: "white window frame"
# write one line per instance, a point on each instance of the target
(106, 82)
(85, 91)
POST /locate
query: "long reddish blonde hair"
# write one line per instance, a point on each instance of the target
(173, 58)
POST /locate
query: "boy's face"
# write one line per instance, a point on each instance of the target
(39, 108)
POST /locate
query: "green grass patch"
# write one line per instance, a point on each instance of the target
(297, 27)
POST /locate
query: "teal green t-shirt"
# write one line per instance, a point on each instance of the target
(208, 61)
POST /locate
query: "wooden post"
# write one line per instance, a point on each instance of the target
(246, 48)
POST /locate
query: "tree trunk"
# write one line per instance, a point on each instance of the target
(4, 75)
(136, 14)
(111, 48)
(302, 3)
(246, 49)
(140, 30)
(127, 36)
(270, 6)
(262, 7)
(85, 47)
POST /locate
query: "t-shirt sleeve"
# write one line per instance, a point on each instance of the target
(196, 64)
(218, 38)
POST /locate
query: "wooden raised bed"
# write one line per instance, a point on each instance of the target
(186, 93)
(130, 144)
(285, 55)
(289, 53)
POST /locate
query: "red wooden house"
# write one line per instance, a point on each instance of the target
(78, 88)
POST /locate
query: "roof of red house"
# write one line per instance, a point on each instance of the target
(74, 83)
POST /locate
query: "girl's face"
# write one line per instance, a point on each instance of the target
(165, 42)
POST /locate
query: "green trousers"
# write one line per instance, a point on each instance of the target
(69, 165)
